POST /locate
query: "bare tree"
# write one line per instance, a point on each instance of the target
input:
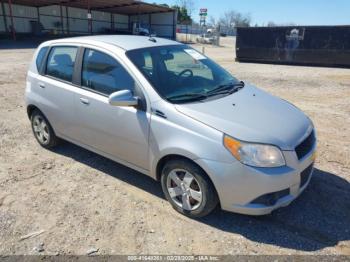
(235, 19)
(187, 4)
(212, 21)
(271, 24)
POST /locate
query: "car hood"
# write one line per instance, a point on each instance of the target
(253, 115)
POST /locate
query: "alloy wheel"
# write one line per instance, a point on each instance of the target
(41, 129)
(184, 189)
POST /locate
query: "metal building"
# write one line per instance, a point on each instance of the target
(21, 19)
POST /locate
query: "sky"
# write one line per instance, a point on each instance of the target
(300, 12)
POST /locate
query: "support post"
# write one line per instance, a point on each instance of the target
(150, 22)
(137, 30)
(129, 26)
(38, 14)
(67, 21)
(138, 13)
(4, 16)
(112, 23)
(89, 17)
(62, 26)
(12, 23)
(174, 25)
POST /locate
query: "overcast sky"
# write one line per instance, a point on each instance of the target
(302, 12)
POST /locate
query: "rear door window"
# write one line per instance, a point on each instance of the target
(60, 63)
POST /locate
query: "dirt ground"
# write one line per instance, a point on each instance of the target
(78, 201)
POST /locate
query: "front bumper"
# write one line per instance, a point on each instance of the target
(244, 189)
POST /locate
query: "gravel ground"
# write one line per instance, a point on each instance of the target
(75, 201)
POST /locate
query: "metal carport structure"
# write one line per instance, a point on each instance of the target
(55, 18)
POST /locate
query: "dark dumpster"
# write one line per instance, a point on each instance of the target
(305, 45)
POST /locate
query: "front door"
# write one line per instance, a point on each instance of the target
(121, 132)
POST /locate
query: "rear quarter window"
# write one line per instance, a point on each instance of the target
(40, 57)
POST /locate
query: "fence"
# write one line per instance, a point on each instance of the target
(196, 29)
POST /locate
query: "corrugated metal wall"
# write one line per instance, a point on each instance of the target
(21, 17)
(50, 18)
(77, 23)
(161, 24)
(121, 21)
(77, 20)
(102, 21)
(2, 23)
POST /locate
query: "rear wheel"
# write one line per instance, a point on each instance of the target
(43, 131)
(188, 188)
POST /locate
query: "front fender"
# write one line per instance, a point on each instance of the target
(175, 151)
(181, 135)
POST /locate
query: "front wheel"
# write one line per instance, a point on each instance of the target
(188, 188)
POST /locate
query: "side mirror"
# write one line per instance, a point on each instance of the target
(123, 98)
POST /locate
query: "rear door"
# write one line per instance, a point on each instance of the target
(55, 88)
(121, 132)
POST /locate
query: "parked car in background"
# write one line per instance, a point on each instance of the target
(135, 28)
(140, 29)
(168, 111)
(206, 39)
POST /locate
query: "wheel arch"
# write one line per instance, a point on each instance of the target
(167, 158)
(30, 110)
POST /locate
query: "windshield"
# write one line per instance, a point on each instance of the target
(181, 74)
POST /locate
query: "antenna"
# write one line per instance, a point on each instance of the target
(151, 38)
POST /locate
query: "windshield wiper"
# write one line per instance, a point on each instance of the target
(221, 89)
(188, 97)
(226, 88)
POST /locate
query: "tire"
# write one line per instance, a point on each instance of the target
(194, 197)
(42, 130)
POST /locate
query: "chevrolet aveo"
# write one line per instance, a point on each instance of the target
(168, 111)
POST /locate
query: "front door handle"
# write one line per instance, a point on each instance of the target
(84, 101)
(41, 85)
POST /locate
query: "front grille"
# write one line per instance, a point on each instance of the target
(304, 176)
(271, 198)
(306, 146)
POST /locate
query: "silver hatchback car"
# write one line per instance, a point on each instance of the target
(168, 111)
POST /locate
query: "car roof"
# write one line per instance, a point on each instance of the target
(126, 42)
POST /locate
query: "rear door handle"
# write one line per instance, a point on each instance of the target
(84, 101)
(41, 85)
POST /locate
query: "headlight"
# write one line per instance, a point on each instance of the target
(258, 155)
